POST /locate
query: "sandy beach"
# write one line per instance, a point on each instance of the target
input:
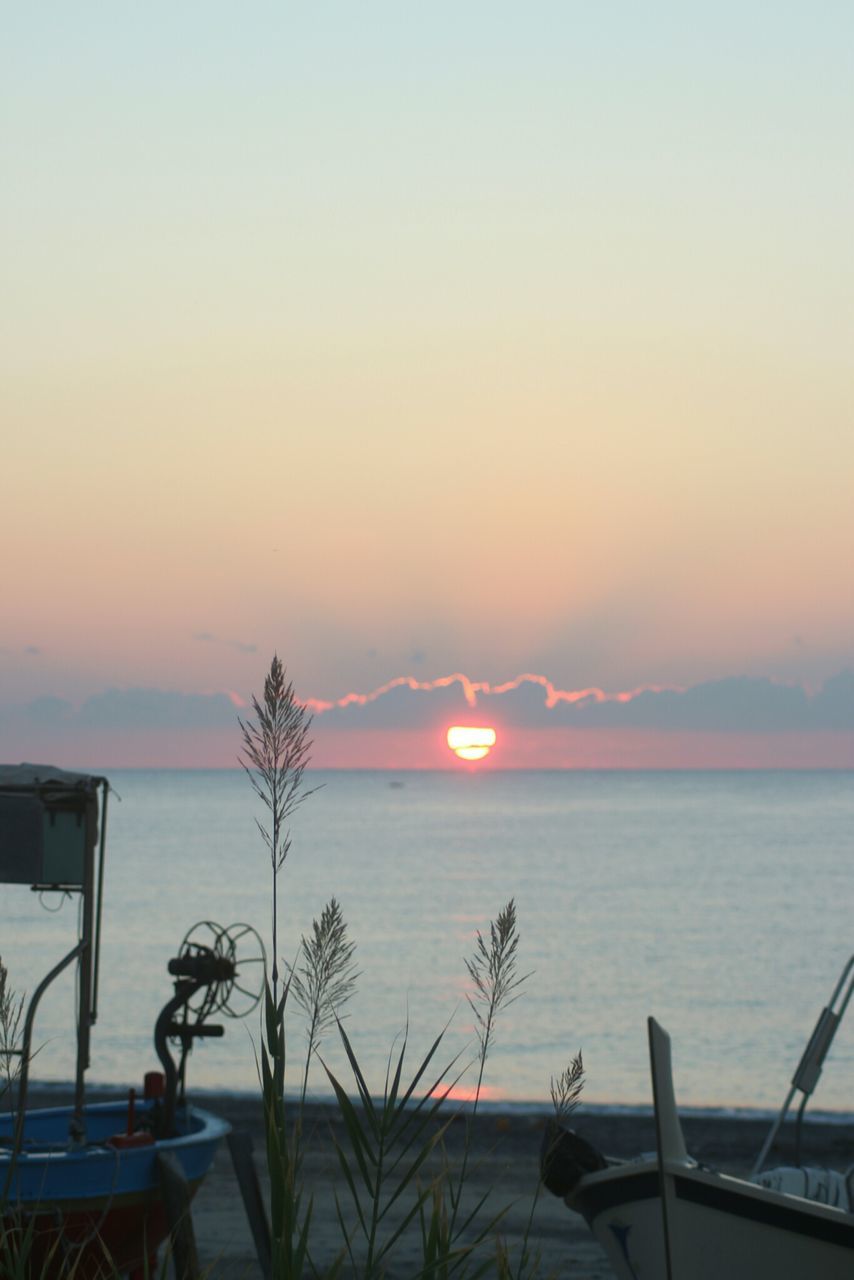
(505, 1158)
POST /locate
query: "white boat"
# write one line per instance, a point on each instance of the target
(666, 1217)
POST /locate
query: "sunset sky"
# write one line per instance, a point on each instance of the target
(419, 340)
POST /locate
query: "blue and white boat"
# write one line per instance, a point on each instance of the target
(96, 1188)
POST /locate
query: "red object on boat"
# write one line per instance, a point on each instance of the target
(125, 1141)
(154, 1085)
(130, 1139)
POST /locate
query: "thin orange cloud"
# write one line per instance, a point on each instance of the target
(319, 705)
(471, 688)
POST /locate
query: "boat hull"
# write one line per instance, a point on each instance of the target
(718, 1226)
(93, 1240)
(98, 1208)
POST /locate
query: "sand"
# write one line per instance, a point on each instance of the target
(506, 1153)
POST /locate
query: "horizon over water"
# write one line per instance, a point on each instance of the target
(717, 901)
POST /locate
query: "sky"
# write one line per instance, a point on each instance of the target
(412, 341)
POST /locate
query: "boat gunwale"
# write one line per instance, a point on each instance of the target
(212, 1129)
(723, 1193)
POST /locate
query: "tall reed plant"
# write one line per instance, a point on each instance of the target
(450, 1235)
(275, 755)
(391, 1139)
(323, 979)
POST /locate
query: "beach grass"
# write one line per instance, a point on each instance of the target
(391, 1131)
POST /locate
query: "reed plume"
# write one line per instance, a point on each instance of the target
(326, 979)
(493, 971)
(275, 755)
(566, 1089)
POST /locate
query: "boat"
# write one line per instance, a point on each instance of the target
(97, 1207)
(664, 1216)
(94, 1189)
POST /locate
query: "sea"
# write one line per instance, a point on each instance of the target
(721, 903)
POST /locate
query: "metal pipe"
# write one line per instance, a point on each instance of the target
(162, 1030)
(105, 791)
(77, 1127)
(26, 1044)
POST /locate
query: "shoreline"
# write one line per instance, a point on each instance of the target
(505, 1146)
(505, 1165)
(52, 1092)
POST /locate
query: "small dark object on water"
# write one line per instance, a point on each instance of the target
(565, 1157)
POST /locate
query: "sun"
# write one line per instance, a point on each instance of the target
(470, 743)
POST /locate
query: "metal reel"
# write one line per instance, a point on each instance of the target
(240, 944)
(243, 946)
(205, 937)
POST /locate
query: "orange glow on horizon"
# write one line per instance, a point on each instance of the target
(467, 1093)
(470, 743)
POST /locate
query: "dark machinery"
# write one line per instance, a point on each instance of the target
(210, 978)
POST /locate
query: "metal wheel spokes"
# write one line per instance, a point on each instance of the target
(243, 946)
(205, 937)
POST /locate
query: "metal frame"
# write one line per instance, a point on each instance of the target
(86, 953)
(808, 1070)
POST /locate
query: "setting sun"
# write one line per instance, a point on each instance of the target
(470, 743)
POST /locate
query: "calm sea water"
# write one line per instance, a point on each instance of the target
(721, 903)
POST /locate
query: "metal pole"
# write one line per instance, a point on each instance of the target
(105, 791)
(77, 1128)
(26, 1045)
